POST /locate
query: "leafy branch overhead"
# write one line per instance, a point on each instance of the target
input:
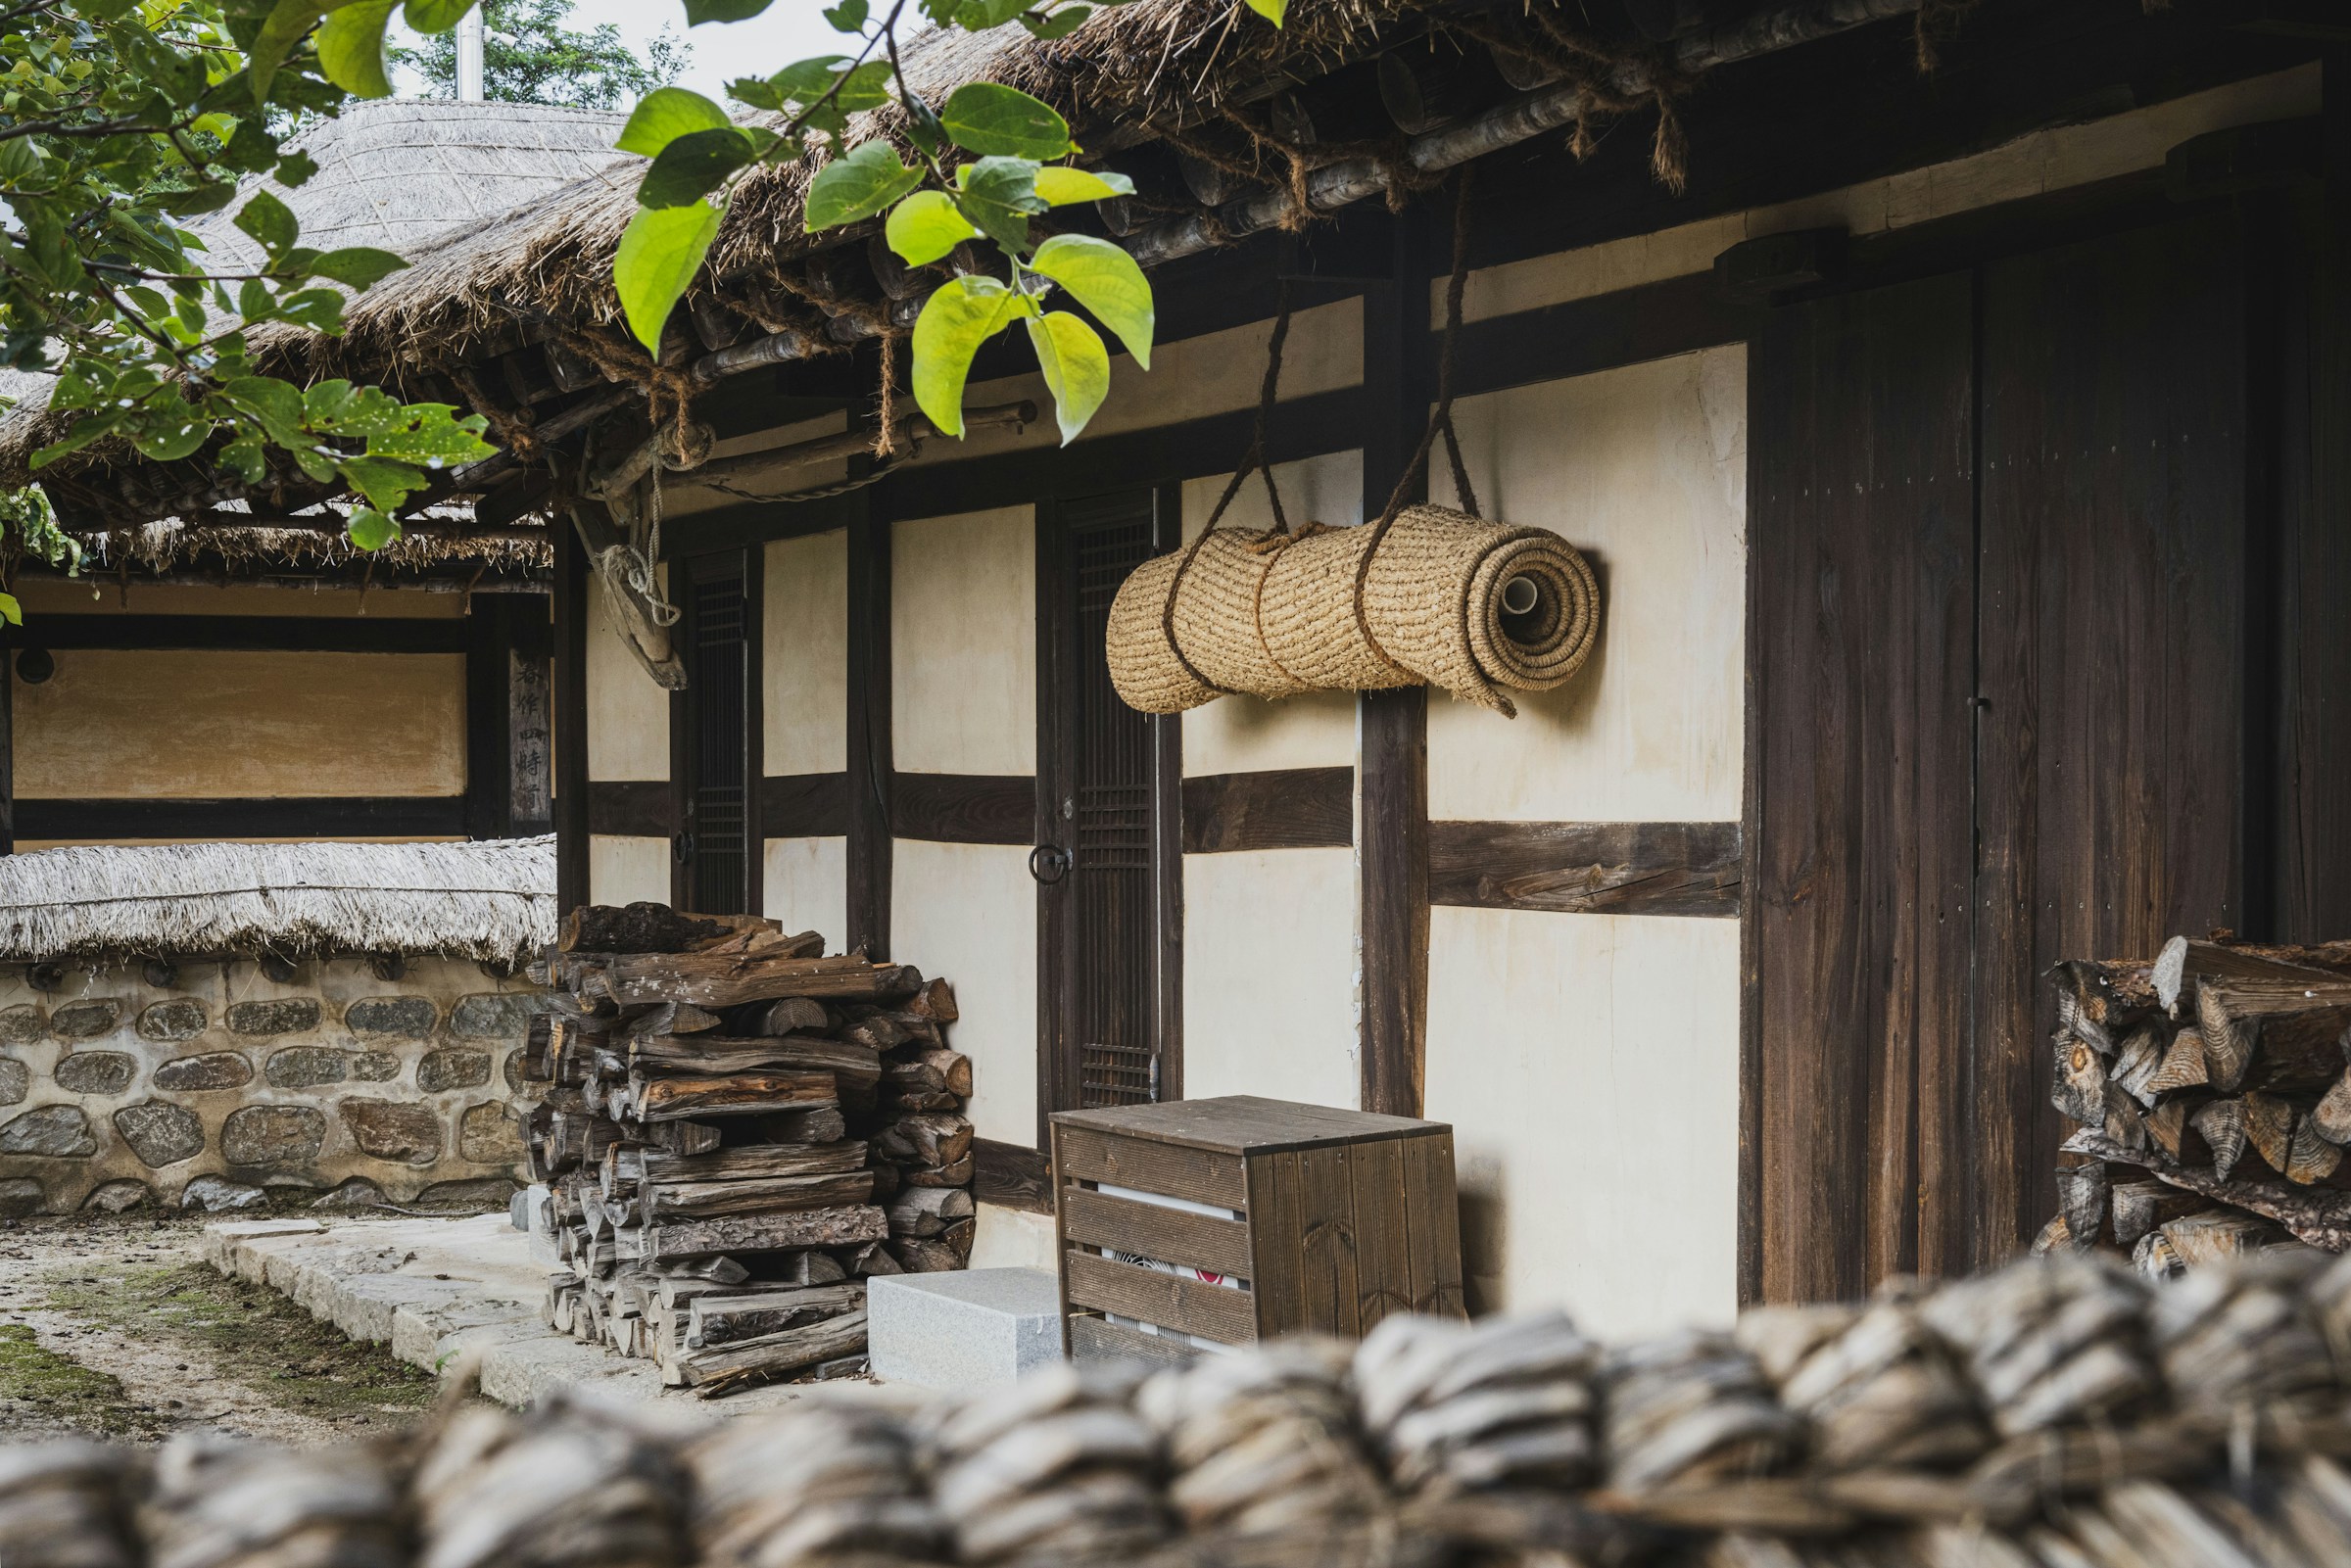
(984, 164)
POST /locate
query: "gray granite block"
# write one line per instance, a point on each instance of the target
(967, 1329)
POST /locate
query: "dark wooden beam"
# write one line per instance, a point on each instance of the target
(488, 722)
(1392, 767)
(963, 808)
(632, 808)
(1587, 867)
(64, 630)
(1629, 326)
(289, 816)
(571, 792)
(804, 805)
(869, 729)
(530, 738)
(1280, 808)
(1008, 1174)
(8, 742)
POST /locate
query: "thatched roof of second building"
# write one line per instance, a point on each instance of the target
(493, 901)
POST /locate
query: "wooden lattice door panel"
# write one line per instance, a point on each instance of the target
(1106, 826)
(715, 727)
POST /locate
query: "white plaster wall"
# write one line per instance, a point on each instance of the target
(1188, 379)
(963, 642)
(2041, 161)
(806, 886)
(628, 716)
(968, 913)
(1013, 1238)
(804, 677)
(1268, 975)
(1250, 735)
(622, 870)
(1589, 1065)
(1643, 468)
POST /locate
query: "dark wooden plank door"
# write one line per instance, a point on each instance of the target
(714, 736)
(1861, 534)
(2113, 751)
(1107, 855)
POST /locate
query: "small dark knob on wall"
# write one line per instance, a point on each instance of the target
(681, 847)
(1048, 863)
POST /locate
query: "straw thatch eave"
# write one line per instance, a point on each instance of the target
(492, 901)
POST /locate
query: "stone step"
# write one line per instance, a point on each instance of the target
(973, 1329)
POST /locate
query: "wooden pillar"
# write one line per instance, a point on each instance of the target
(1392, 726)
(870, 758)
(572, 717)
(530, 763)
(8, 743)
(489, 763)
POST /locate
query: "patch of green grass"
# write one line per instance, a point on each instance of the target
(42, 1388)
(253, 1337)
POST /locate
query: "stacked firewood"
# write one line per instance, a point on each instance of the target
(2063, 1412)
(2213, 1089)
(736, 1131)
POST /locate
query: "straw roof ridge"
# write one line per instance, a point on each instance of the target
(493, 901)
(170, 544)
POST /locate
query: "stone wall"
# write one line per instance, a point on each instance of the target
(330, 1075)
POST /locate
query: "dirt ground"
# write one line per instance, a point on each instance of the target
(116, 1327)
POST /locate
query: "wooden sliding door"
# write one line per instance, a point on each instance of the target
(714, 736)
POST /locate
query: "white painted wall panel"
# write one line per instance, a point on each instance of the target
(1013, 1238)
(1250, 735)
(623, 871)
(963, 642)
(1643, 469)
(968, 913)
(1268, 975)
(804, 627)
(628, 716)
(807, 885)
(1589, 1065)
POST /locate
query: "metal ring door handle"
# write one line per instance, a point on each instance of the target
(1048, 864)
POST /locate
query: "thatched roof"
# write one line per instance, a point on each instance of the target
(493, 901)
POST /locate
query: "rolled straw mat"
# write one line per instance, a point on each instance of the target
(1275, 614)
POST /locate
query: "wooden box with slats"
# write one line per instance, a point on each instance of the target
(1240, 1219)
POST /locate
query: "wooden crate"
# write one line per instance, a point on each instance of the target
(1333, 1218)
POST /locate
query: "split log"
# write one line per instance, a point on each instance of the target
(2168, 1122)
(728, 980)
(824, 1125)
(2213, 1236)
(670, 1018)
(2081, 1201)
(2227, 1040)
(2137, 1063)
(873, 1258)
(764, 1233)
(2081, 1083)
(958, 1174)
(639, 928)
(630, 1164)
(924, 1140)
(683, 1137)
(793, 1015)
(668, 1099)
(2318, 1216)
(2310, 1157)
(776, 1354)
(930, 1210)
(708, 1271)
(934, 1001)
(2182, 1064)
(852, 1065)
(715, 1321)
(887, 1180)
(2220, 1124)
(2139, 1206)
(907, 1101)
(2270, 1128)
(877, 1031)
(931, 1071)
(2332, 1120)
(920, 1257)
(665, 1200)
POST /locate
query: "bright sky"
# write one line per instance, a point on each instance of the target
(788, 30)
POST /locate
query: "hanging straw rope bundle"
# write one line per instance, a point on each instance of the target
(1424, 596)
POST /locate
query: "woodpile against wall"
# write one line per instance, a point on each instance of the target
(736, 1131)
(2213, 1089)
(2061, 1413)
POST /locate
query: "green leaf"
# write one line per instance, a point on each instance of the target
(384, 483)
(978, 16)
(694, 165)
(1106, 281)
(172, 432)
(1060, 25)
(999, 195)
(276, 405)
(663, 116)
(959, 316)
(699, 12)
(351, 47)
(431, 435)
(287, 21)
(805, 82)
(9, 610)
(435, 15)
(356, 267)
(268, 221)
(1077, 368)
(196, 202)
(1060, 185)
(858, 184)
(926, 226)
(1270, 9)
(659, 255)
(847, 17)
(985, 117)
(369, 530)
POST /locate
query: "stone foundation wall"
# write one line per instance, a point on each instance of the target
(329, 1075)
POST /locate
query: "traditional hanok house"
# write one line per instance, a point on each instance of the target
(231, 669)
(1951, 408)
